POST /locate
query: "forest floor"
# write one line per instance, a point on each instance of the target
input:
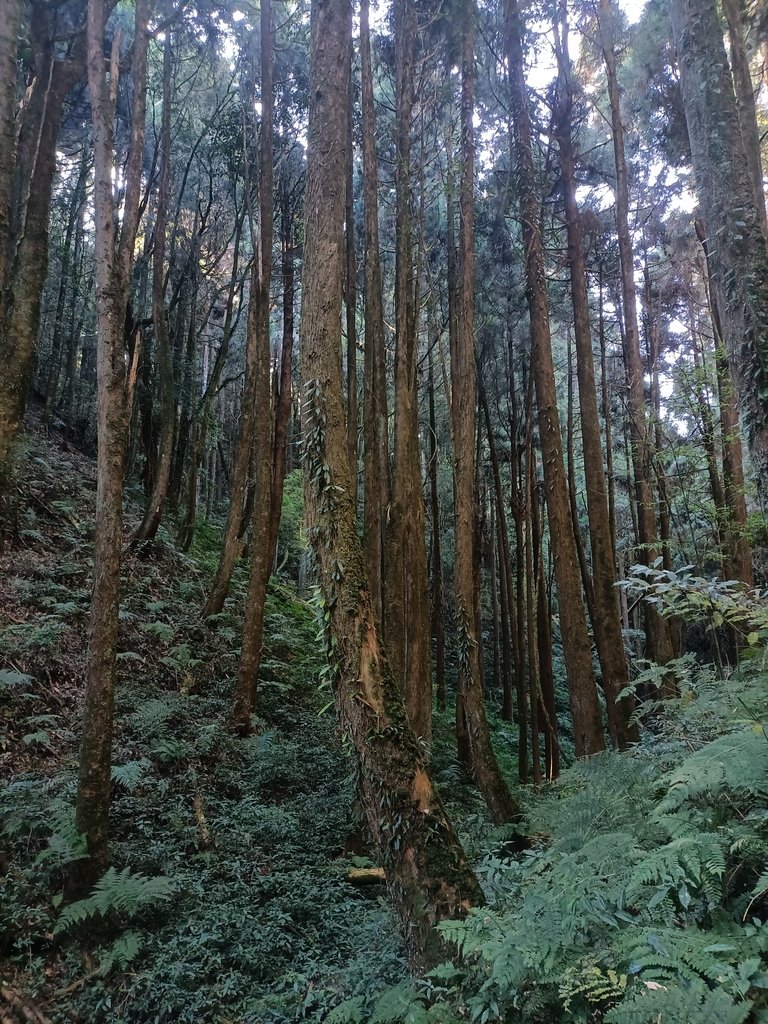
(643, 897)
(230, 899)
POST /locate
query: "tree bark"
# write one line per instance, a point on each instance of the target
(114, 263)
(407, 605)
(284, 384)
(438, 621)
(350, 296)
(744, 90)
(739, 548)
(377, 489)
(423, 860)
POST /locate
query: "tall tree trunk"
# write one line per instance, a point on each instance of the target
(658, 639)
(738, 253)
(709, 442)
(585, 708)
(543, 639)
(505, 565)
(149, 525)
(607, 419)
(438, 621)
(745, 91)
(264, 453)
(10, 24)
(76, 201)
(501, 803)
(284, 384)
(350, 295)
(425, 865)
(606, 620)
(740, 550)
(76, 325)
(26, 264)
(241, 492)
(114, 263)
(206, 405)
(377, 490)
(407, 628)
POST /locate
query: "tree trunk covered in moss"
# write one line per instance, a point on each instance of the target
(577, 651)
(259, 356)
(407, 604)
(114, 264)
(737, 247)
(426, 869)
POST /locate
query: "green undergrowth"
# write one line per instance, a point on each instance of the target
(642, 899)
(644, 896)
(228, 898)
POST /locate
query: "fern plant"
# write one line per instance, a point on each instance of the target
(119, 892)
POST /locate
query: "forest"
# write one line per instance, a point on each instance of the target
(383, 512)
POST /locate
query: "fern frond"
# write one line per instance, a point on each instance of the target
(116, 891)
(735, 764)
(348, 1012)
(690, 865)
(673, 1004)
(122, 952)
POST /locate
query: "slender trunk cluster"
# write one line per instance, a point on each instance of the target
(585, 708)
(659, 645)
(605, 619)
